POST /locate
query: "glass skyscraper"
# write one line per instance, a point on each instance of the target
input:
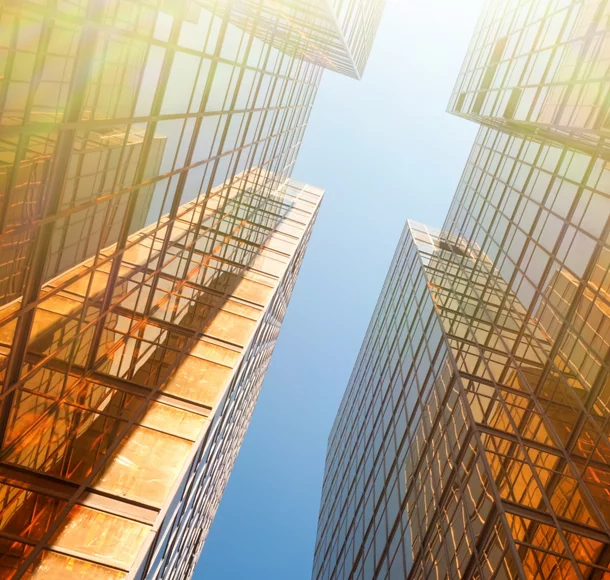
(150, 238)
(539, 66)
(336, 34)
(473, 440)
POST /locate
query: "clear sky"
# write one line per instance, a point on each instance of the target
(385, 150)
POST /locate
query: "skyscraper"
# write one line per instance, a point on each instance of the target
(150, 238)
(480, 455)
(97, 160)
(336, 34)
(539, 66)
(473, 440)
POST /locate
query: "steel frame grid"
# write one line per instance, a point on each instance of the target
(160, 382)
(195, 511)
(539, 68)
(328, 563)
(533, 203)
(258, 137)
(335, 35)
(587, 399)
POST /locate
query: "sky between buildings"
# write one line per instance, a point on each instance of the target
(385, 150)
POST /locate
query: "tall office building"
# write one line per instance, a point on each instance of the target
(540, 67)
(336, 34)
(473, 440)
(97, 160)
(150, 238)
(485, 453)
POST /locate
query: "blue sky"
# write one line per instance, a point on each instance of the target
(385, 150)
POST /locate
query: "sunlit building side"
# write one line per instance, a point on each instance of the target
(485, 453)
(336, 34)
(118, 467)
(539, 66)
(473, 440)
(150, 238)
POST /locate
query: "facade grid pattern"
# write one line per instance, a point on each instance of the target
(540, 66)
(481, 457)
(473, 440)
(150, 237)
(335, 34)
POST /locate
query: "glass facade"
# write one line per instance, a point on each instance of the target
(473, 440)
(539, 65)
(270, 279)
(484, 451)
(107, 465)
(335, 34)
(150, 238)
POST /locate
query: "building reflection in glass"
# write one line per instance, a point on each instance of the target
(539, 66)
(486, 452)
(97, 457)
(150, 238)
